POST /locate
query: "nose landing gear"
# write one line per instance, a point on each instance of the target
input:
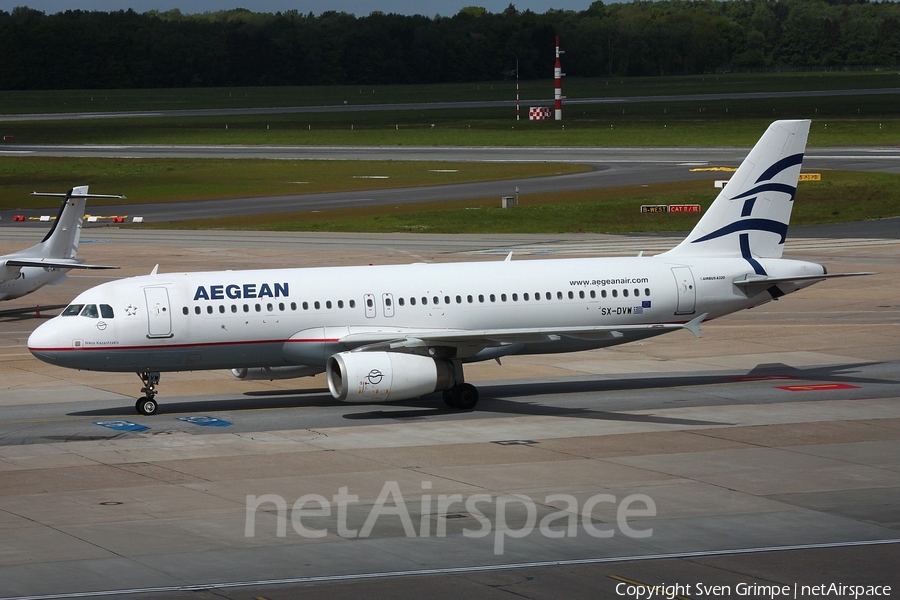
(147, 405)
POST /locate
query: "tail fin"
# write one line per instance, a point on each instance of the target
(62, 239)
(59, 246)
(750, 217)
(61, 242)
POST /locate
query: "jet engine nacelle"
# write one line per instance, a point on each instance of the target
(384, 376)
(273, 373)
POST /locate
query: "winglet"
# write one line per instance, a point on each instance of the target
(694, 325)
(155, 269)
(508, 257)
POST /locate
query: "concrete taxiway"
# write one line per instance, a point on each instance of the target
(765, 452)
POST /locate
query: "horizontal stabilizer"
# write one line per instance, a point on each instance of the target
(765, 280)
(75, 195)
(53, 264)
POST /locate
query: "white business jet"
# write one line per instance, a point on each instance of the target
(47, 263)
(383, 333)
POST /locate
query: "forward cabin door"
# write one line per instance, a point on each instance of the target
(159, 314)
(687, 291)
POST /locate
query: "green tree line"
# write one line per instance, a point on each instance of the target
(124, 49)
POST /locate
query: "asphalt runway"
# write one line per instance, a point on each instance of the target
(610, 167)
(768, 450)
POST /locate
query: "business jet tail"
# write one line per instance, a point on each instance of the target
(749, 218)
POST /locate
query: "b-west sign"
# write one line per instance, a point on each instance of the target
(670, 208)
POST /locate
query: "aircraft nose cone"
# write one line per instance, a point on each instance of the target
(44, 342)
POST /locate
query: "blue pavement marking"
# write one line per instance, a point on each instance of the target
(205, 421)
(122, 425)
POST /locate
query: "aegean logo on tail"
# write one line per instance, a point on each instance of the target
(765, 184)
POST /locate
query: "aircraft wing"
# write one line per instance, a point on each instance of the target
(52, 264)
(409, 340)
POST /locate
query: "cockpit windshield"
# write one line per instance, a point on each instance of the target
(72, 310)
(90, 311)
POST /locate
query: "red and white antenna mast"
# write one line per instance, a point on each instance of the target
(557, 84)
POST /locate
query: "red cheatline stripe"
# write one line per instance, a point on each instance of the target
(817, 387)
(176, 346)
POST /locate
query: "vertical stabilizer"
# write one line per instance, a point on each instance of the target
(62, 239)
(750, 216)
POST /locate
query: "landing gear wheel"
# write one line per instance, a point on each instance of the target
(146, 406)
(464, 396)
(448, 398)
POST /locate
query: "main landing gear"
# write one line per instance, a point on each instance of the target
(147, 405)
(463, 396)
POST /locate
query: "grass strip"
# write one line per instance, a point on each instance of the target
(170, 180)
(841, 196)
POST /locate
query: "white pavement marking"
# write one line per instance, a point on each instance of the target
(455, 570)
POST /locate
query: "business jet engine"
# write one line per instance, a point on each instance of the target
(385, 376)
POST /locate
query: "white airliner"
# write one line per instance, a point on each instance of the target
(47, 263)
(383, 333)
